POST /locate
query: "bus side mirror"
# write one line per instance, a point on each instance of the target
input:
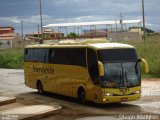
(145, 64)
(100, 68)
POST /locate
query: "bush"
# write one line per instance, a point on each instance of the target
(149, 51)
(11, 59)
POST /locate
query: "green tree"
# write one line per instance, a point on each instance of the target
(72, 34)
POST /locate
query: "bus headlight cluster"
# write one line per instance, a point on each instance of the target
(107, 94)
(137, 92)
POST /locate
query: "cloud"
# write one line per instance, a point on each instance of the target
(60, 11)
(80, 19)
(30, 19)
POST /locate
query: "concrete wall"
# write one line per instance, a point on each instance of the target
(124, 36)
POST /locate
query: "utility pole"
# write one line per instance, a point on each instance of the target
(22, 42)
(116, 26)
(121, 21)
(40, 7)
(144, 28)
(116, 29)
(38, 30)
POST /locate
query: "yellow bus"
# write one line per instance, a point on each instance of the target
(99, 72)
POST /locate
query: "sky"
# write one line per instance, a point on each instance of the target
(62, 11)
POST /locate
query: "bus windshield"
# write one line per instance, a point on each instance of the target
(121, 68)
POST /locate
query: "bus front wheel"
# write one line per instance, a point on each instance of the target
(40, 87)
(82, 95)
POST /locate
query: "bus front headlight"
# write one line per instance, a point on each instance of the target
(137, 92)
(107, 94)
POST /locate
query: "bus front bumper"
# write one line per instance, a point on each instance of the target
(118, 99)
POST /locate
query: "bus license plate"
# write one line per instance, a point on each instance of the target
(124, 99)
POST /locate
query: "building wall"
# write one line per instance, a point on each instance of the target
(5, 30)
(95, 33)
(6, 37)
(124, 36)
(136, 30)
(115, 36)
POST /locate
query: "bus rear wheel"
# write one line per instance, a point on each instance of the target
(81, 95)
(40, 87)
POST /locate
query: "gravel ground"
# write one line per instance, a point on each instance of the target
(12, 84)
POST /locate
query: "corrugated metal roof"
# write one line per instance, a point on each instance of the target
(6, 28)
(93, 23)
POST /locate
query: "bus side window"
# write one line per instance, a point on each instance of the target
(33, 55)
(92, 65)
(51, 55)
(81, 57)
(68, 56)
(38, 56)
(26, 55)
(26, 51)
(47, 55)
(77, 57)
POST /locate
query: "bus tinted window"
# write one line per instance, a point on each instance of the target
(36, 55)
(93, 65)
(68, 56)
(116, 55)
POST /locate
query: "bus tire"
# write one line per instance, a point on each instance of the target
(81, 95)
(40, 87)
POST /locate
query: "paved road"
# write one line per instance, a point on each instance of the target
(12, 84)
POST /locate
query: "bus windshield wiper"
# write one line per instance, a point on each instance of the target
(120, 79)
(125, 79)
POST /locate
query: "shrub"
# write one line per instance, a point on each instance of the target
(11, 58)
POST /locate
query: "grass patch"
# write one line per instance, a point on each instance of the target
(11, 58)
(149, 51)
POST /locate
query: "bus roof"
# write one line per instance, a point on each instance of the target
(95, 44)
(111, 45)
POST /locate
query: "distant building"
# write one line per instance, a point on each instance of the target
(138, 30)
(115, 34)
(125, 35)
(7, 36)
(95, 33)
(48, 34)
